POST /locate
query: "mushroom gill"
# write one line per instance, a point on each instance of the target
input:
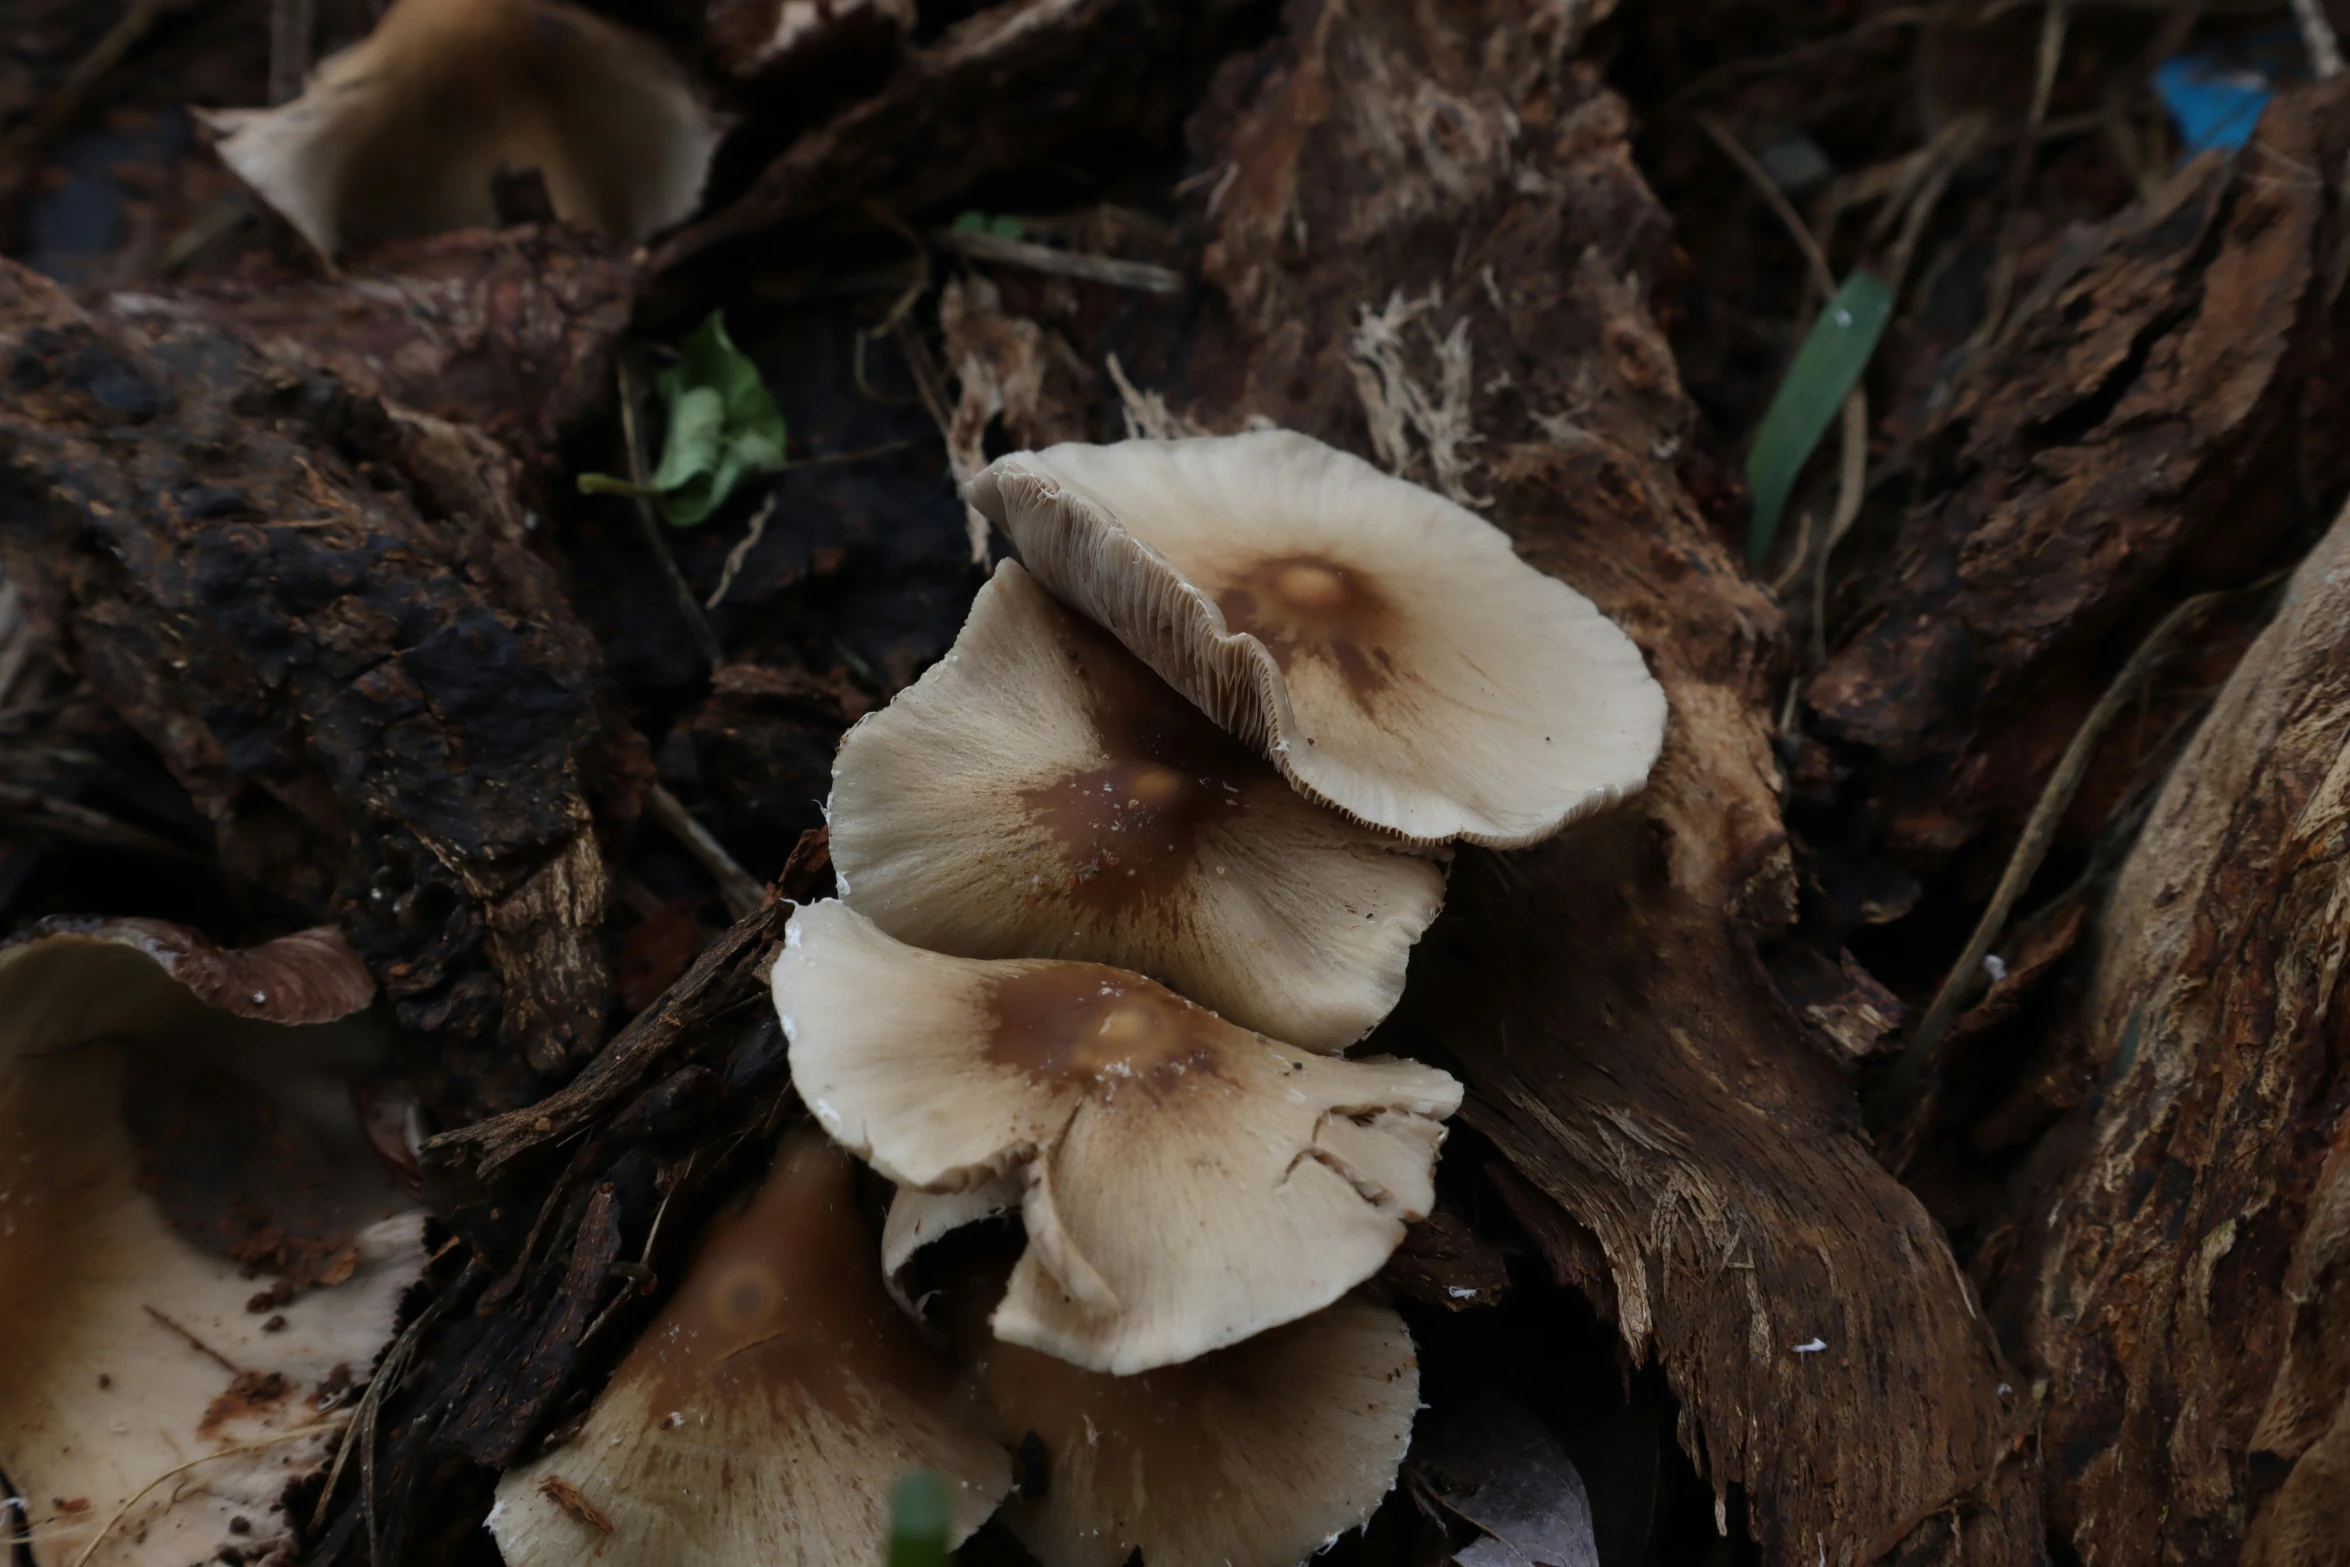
(1184, 1183)
(1385, 647)
(1040, 793)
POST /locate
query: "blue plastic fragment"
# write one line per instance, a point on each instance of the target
(2212, 105)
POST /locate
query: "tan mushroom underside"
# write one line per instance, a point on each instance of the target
(1185, 1183)
(1386, 647)
(1255, 1456)
(148, 1415)
(402, 133)
(1040, 793)
(766, 1416)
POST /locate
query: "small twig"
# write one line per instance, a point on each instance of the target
(929, 382)
(1794, 572)
(38, 812)
(1902, 1094)
(1951, 151)
(1853, 471)
(241, 1449)
(1146, 276)
(16, 640)
(1851, 486)
(758, 528)
(1768, 188)
(2317, 36)
(293, 27)
(650, 525)
(741, 892)
(201, 1348)
(1801, 54)
(2019, 178)
(388, 1372)
(742, 549)
(19, 145)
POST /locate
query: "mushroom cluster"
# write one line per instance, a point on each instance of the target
(1121, 879)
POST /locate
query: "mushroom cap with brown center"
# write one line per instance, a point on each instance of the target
(1040, 793)
(1185, 1183)
(770, 1410)
(200, 1256)
(1257, 1455)
(1386, 647)
(405, 132)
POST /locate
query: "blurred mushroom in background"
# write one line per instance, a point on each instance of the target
(412, 130)
(201, 1252)
(1256, 1455)
(768, 1412)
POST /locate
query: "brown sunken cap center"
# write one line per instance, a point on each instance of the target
(1310, 587)
(1084, 1025)
(1309, 608)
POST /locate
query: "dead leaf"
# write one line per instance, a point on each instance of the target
(1488, 1459)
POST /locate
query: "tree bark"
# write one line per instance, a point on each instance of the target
(1433, 247)
(325, 612)
(2184, 1287)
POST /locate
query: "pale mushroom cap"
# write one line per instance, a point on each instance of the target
(1186, 1183)
(68, 980)
(401, 133)
(148, 1414)
(917, 1218)
(1385, 646)
(1253, 1456)
(1040, 793)
(770, 1410)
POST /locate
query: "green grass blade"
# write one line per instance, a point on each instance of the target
(1825, 370)
(920, 1517)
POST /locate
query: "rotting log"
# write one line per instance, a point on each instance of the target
(2162, 417)
(324, 612)
(1433, 247)
(2181, 1288)
(509, 330)
(1017, 82)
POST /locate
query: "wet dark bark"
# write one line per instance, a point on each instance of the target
(2161, 418)
(324, 611)
(2182, 1282)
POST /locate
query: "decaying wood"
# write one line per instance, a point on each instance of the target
(786, 42)
(1014, 82)
(1434, 248)
(727, 978)
(2164, 413)
(510, 330)
(324, 612)
(2184, 1284)
(584, 1206)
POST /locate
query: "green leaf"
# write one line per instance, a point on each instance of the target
(697, 433)
(723, 428)
(921, 1516)
(1823, 374)
(612, 484)
(1002, 225)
